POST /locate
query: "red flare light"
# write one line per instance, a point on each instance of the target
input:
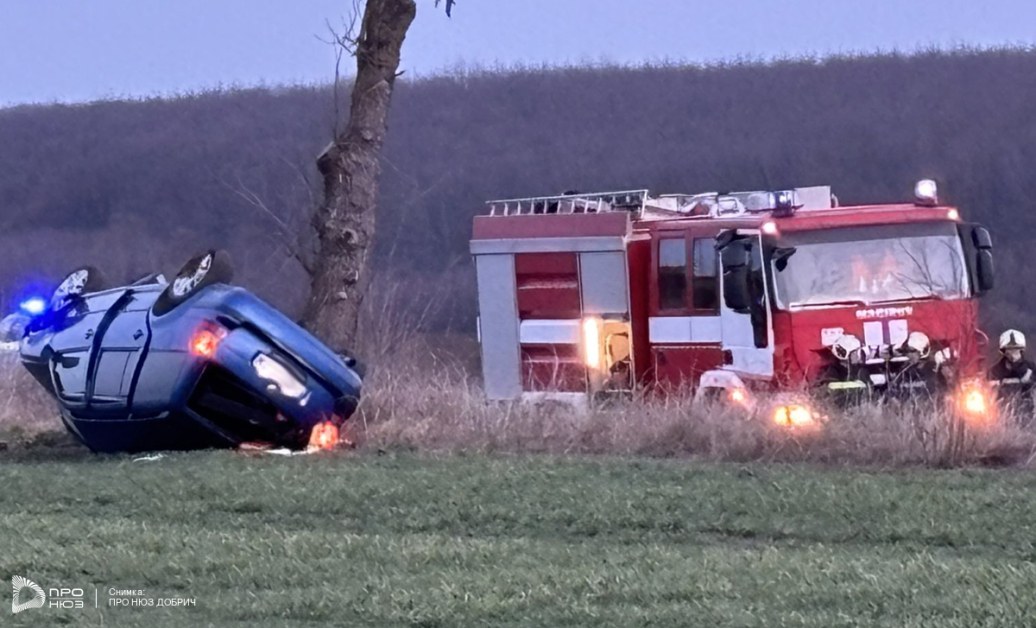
(323, 436)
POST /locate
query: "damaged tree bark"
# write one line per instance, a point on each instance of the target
(350, 167)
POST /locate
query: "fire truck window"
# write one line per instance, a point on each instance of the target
(705, 290)
(672, 274)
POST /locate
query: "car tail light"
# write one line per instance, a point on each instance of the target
(206, 339)
(323, 436)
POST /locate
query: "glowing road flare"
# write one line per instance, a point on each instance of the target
(793, 415)
(323, 436)
(974, 403)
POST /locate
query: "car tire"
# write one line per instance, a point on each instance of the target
(201, 271)
(83, 280)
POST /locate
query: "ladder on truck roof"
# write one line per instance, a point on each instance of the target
(571, 203)
(666, 206)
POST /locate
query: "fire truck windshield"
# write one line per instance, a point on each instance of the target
(867, 265)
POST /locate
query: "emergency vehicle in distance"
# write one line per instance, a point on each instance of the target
(583, 293)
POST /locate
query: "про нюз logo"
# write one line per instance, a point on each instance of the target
(19, 584)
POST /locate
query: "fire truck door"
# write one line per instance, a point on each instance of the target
(748, 336)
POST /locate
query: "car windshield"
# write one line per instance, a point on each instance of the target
(869, 265)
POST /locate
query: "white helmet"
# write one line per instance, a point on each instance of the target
(918, 341)
(845, 346)
(1012, 339)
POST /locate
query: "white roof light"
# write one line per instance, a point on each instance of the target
(926, 192)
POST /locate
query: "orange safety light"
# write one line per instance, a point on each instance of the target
(794, 416)
(975, 402)
(323, 436)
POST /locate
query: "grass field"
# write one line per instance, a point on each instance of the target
(404, 539)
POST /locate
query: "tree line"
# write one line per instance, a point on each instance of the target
(133, 185)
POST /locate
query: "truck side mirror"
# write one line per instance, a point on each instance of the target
(984, 275)
(981, 238)
(736, 290)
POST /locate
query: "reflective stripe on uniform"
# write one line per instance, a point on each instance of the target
(846, 385)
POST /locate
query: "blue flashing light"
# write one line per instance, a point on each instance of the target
(34, 306)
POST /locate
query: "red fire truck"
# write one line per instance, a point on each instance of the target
(580, 293)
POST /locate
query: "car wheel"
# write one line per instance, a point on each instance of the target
(201, 271)
(80, 281)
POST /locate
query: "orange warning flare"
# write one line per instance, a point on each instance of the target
(323, 436)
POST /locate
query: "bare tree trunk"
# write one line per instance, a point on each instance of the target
(344, 222)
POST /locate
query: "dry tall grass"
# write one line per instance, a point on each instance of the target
(443, 409)
(24, 406)
(423, 397)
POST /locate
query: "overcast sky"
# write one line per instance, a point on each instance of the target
(74, 50)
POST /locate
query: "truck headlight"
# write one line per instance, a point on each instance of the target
(279, 376)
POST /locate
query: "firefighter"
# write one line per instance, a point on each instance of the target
(1013, 375)
(946, 367)
(847, 380)
(918, 378)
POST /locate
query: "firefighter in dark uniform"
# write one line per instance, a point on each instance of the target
(919, 379)
(1013, 375)
(846, 381)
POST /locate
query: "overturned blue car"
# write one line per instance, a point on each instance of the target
(188, 364)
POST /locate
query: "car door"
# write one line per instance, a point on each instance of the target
(122, 341)
(72, 343)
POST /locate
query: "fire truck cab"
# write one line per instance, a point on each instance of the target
(591, 293)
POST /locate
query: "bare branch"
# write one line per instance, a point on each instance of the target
(346, 41)
(449, 6)
(289, 237)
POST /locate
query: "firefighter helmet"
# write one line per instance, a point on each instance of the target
(1012, 339)
(918, 341)
(845, 346)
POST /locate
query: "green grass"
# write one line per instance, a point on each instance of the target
(360, 539)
